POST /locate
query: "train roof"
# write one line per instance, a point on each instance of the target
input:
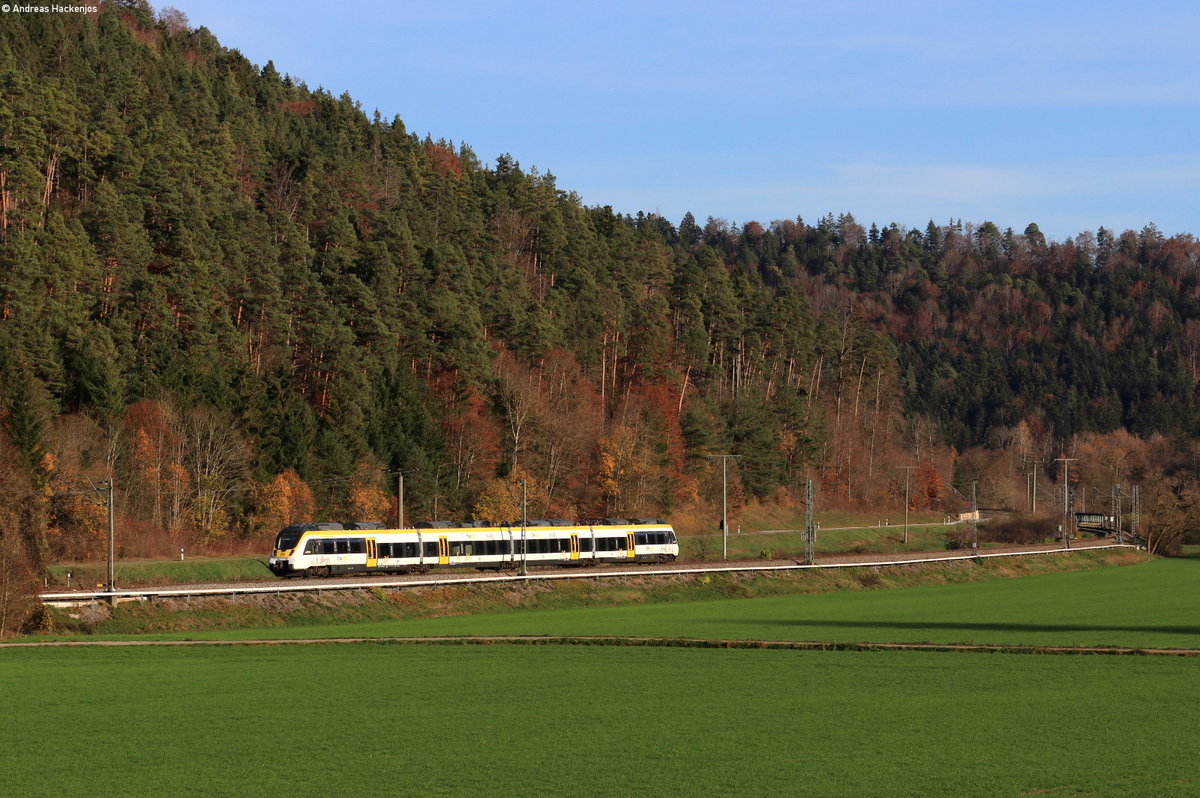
(328, 526)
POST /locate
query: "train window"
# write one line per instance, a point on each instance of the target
(431, 549)
(312, 547)
(358, 545)
(287, 540)
(585, 544)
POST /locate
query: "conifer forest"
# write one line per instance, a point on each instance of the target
(246, 302)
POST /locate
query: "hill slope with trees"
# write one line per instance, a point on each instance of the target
(248, 302)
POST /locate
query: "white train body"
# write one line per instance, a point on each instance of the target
(328, 549)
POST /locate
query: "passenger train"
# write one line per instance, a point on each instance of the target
(358, 548)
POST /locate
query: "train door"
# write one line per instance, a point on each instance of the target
(443, 551)
(372, 553)
(629, 543)
(574, 546)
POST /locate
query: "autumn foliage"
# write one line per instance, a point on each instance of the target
(246, 303)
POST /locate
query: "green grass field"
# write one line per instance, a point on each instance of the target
(1150, 605)
(1154, 604)
(371, 719)
(463, 720)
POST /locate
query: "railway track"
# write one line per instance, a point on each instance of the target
(274, 585)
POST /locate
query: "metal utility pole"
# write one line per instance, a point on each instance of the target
(524, 523)
(400, 500)
(725, 502)
(907, 473)
(974, 521)
(1066, 461)
(810, 527)
(1135, 511)
(1116, 509)
(1033, 492)
(111, 538)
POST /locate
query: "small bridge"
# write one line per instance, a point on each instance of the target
(1096, 523)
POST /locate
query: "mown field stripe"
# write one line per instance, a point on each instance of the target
(646, 642)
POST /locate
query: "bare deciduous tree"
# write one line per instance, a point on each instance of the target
(215, 455)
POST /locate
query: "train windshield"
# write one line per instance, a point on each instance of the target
(287, 539)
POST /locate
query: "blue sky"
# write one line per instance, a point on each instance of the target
(1074, 115)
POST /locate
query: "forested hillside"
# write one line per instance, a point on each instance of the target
(248, 302)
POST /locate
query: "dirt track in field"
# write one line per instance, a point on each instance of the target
(644, 642)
